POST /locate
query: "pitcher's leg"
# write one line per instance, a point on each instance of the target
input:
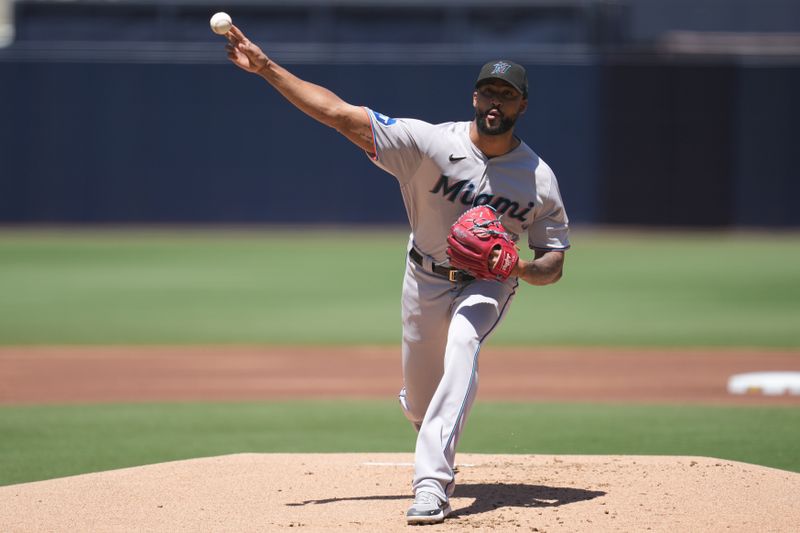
(475, 316)
(422, 372)
(426, 313)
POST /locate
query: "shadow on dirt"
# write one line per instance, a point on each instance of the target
(491, 496)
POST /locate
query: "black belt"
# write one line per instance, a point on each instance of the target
(453, 274)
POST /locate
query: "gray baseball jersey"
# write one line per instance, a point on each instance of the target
(442, 174)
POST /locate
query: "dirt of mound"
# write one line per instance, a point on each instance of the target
(370, 492)
(101, 374)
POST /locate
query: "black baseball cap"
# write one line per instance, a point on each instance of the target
(508, 71)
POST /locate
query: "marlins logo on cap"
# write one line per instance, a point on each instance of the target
(508, 71)
(500, 68)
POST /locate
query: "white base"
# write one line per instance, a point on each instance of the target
(766, 383)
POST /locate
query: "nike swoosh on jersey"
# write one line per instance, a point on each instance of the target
(454, 158)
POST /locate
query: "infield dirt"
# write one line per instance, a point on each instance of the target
(119, 373)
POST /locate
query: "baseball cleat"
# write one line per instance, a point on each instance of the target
(427, 509)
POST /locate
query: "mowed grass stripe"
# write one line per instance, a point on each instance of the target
(42, 442)
(317, 286)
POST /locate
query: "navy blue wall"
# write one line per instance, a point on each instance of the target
(168, 143)
(767, 176)
(669, 153)
(630, 143)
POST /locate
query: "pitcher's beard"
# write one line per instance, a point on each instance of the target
(505, 124)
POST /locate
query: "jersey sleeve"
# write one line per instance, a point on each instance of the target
(550, 227)
(396, 144)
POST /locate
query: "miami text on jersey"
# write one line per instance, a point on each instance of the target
(501, 204)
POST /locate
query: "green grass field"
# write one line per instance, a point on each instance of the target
(41, 442)
(269, 286)
(317, 287)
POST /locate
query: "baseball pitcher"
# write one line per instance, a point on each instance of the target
(472, 191)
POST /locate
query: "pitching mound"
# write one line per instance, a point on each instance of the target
(370, 492)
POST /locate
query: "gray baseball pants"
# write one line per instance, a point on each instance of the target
(444, 326)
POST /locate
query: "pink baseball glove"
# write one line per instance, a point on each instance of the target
(473, 238)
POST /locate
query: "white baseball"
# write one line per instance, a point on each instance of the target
(221, 23)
